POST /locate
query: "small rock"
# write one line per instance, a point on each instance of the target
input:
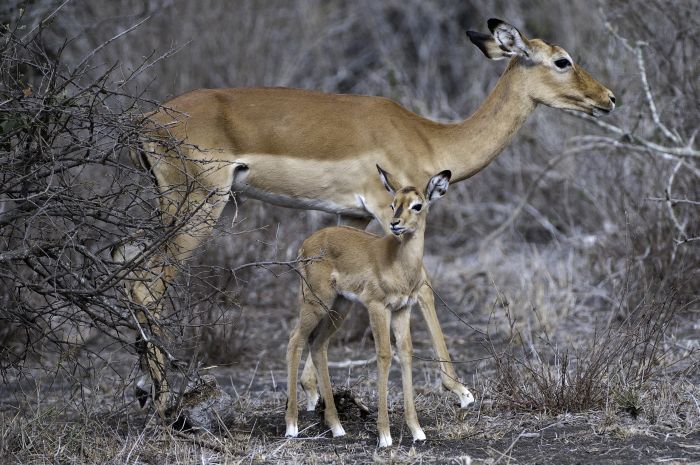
(204, 405)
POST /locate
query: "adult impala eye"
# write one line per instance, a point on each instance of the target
(417, 207)
(562, 63)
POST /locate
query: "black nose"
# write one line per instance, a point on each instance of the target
(395, 222)
(612, 99)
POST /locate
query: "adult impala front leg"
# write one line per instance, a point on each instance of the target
(426, 302)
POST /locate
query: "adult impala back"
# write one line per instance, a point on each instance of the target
(311, 150)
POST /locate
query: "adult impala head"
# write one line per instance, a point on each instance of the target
(554, 79)
(410, 206)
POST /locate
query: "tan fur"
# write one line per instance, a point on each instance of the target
(385, 274)
(312, 150)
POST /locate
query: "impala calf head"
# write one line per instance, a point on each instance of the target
(410, 206)
(552, 76)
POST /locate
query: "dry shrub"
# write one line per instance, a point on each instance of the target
(538, 373)
(69, 195)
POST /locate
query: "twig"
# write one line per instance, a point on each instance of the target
(650, 99)
(669, 206)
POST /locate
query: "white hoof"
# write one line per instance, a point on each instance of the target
(292, 430)
(418, 435)
(337, 431)
(465, 397)
(311, 401)
(385, 440)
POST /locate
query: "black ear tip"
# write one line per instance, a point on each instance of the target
(379, 168)
(479, 39)
(493, 23)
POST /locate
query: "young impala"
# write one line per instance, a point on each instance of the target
(311, 150)
(382, 273)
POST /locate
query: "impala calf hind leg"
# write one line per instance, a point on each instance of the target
(310, 316)
(312, 311)
(319, 354)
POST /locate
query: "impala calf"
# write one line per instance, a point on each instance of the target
(382, 273)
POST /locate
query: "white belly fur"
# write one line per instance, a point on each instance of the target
(260, 163)
(394, 304)
(301, 202)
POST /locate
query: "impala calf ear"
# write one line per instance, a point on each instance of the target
(508, 38)
(437, 186)
(488, 46)
(387, 180)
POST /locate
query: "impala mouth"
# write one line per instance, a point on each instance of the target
(599, 111)
(397, 230)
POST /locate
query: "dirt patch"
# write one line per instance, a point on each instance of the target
(96, 420)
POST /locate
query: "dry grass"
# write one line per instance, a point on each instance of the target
(537, 372)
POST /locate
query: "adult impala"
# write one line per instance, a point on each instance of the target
(311, 150)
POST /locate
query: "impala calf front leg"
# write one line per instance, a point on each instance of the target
(401, 325)
(380, 321)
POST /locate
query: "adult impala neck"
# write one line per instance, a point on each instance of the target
(468, 147)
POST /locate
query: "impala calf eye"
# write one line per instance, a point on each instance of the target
(562, 63)
(417, 207)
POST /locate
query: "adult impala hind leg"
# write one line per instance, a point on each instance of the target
(360, 321)
(309, 383)
(319, 353)
(426, 302)
(191, 208)
(401, 326)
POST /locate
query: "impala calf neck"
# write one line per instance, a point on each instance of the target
(382, 273)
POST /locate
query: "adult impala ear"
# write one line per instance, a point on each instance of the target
(508, 38)
(487, 45)
(437, 186)
(388, 180)
(505, 41)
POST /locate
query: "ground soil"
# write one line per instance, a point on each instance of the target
(487, 432)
